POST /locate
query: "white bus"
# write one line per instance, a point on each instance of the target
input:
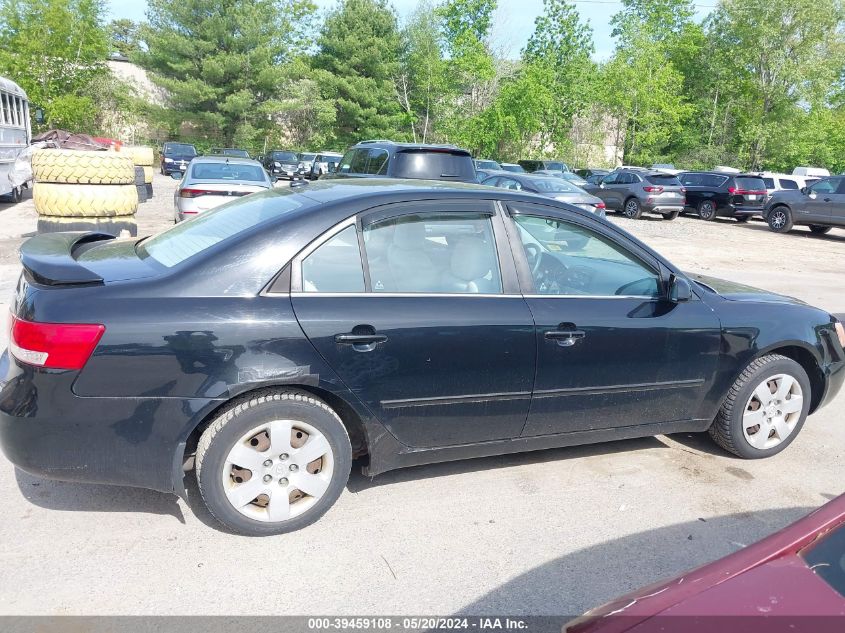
(15, 136)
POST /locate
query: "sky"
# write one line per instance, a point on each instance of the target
(513, 24)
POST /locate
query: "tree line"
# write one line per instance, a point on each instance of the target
(756, 84)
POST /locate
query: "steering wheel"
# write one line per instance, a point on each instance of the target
(534, 256)
(646, 287)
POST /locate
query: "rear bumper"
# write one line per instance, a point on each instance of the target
(49, 432)
(747, 211)
(663, 207)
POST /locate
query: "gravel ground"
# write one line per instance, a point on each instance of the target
(553, 532)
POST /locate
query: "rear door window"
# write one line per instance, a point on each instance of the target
(715, 181)
(377, 162)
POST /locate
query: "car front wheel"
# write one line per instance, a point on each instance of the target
(632, 209)
(780, 220)
(274, 462)
(764, 409)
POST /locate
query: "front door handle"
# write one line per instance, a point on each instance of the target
(359, 339)
(565, 338)
(827, 199)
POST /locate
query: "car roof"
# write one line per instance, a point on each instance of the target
(724, 173)
(239, 160)
(399, 145)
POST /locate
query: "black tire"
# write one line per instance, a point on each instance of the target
(742, 219)
(671, 215)
(632, 209)
(113, 226)
(251, 412)
(727, 428)
(139, 176)
(142, 193)
(780, 219)
(14, 196)
(818, 229)
(149, 188)
(707, 210)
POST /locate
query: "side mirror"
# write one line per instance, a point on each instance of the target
(177, 175)
(804, 190)
(332, 166)
(679, 290)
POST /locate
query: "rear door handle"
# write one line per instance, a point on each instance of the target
(565, 338)
(359, 339)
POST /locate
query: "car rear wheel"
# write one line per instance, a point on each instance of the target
(819, 230)
(632, 209)
(274, 462)
(671, 215)
(780, 220)
(707, 210)
(764, 409)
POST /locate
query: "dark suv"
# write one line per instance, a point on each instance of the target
(821, 206)
(281, 164)
(544, 165)
(636, 191)
(713, 194)
(175, 157)
(387, 159)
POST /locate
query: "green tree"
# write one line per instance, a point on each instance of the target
(55, 50)
(124, 37)
(223, 63)
(422, 84)
(562, 44)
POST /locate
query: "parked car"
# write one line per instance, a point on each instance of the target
(281, 163)
(229, 151)
(324, 163)
(513, 167)
(489, 165)
(210, 181)
(811, 172)
(175, 157)
(667, 168)
(574, 178)
(791, 580)
(306, 161)
(15, 137)
(712, 195)
(536, 165)
(588, 173)
(483, 174)
(780, 182)
(548, 187)
(634, 191)
(372, 159)
(821, 207)
(250, 343)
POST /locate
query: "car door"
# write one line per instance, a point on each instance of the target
(817, 204)
(607, 190)
(693, 185)
(430, 332)
(611, 350)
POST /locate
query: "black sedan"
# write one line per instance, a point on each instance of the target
(270, 341)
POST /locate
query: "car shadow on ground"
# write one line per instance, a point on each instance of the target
(801, 231)
(81, 497)
(359, 482)
(574, 583)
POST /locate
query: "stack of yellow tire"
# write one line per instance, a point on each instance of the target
(143, 157)
(84, 191)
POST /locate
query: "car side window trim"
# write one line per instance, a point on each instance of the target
(526, 280)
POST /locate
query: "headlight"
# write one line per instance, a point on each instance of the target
(168, 160)
(276, 165)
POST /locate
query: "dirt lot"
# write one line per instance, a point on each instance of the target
(552, 532)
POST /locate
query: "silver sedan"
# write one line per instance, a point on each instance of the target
(548, 186)
(210, 181)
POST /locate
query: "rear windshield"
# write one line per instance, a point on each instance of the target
(180, 148)
(553, 166)
(227, 171)
(434, 165)
(554, 185)
(186, 239)
(286, 156)
(750, 184)
(666, 180)
(825, 558)
(514, 168)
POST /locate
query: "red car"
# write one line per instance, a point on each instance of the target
(793, 580)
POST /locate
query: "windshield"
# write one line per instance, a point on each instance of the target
(228, 171)
(487, 164)
(183, 149)
(826, 559)
(187, 239)
(307, 156)
(285, 156)
(553, 185)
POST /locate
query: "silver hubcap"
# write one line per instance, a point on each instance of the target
(778, 219)
(278, 470)
(706, 210)
(631, 208)
(772, 411)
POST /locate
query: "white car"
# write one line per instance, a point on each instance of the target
(320, 165)
(210, 181)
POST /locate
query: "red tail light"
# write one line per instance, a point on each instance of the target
(600, 205)
(653, 188)
(53, 345)
(736, 191)
(195, 193)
